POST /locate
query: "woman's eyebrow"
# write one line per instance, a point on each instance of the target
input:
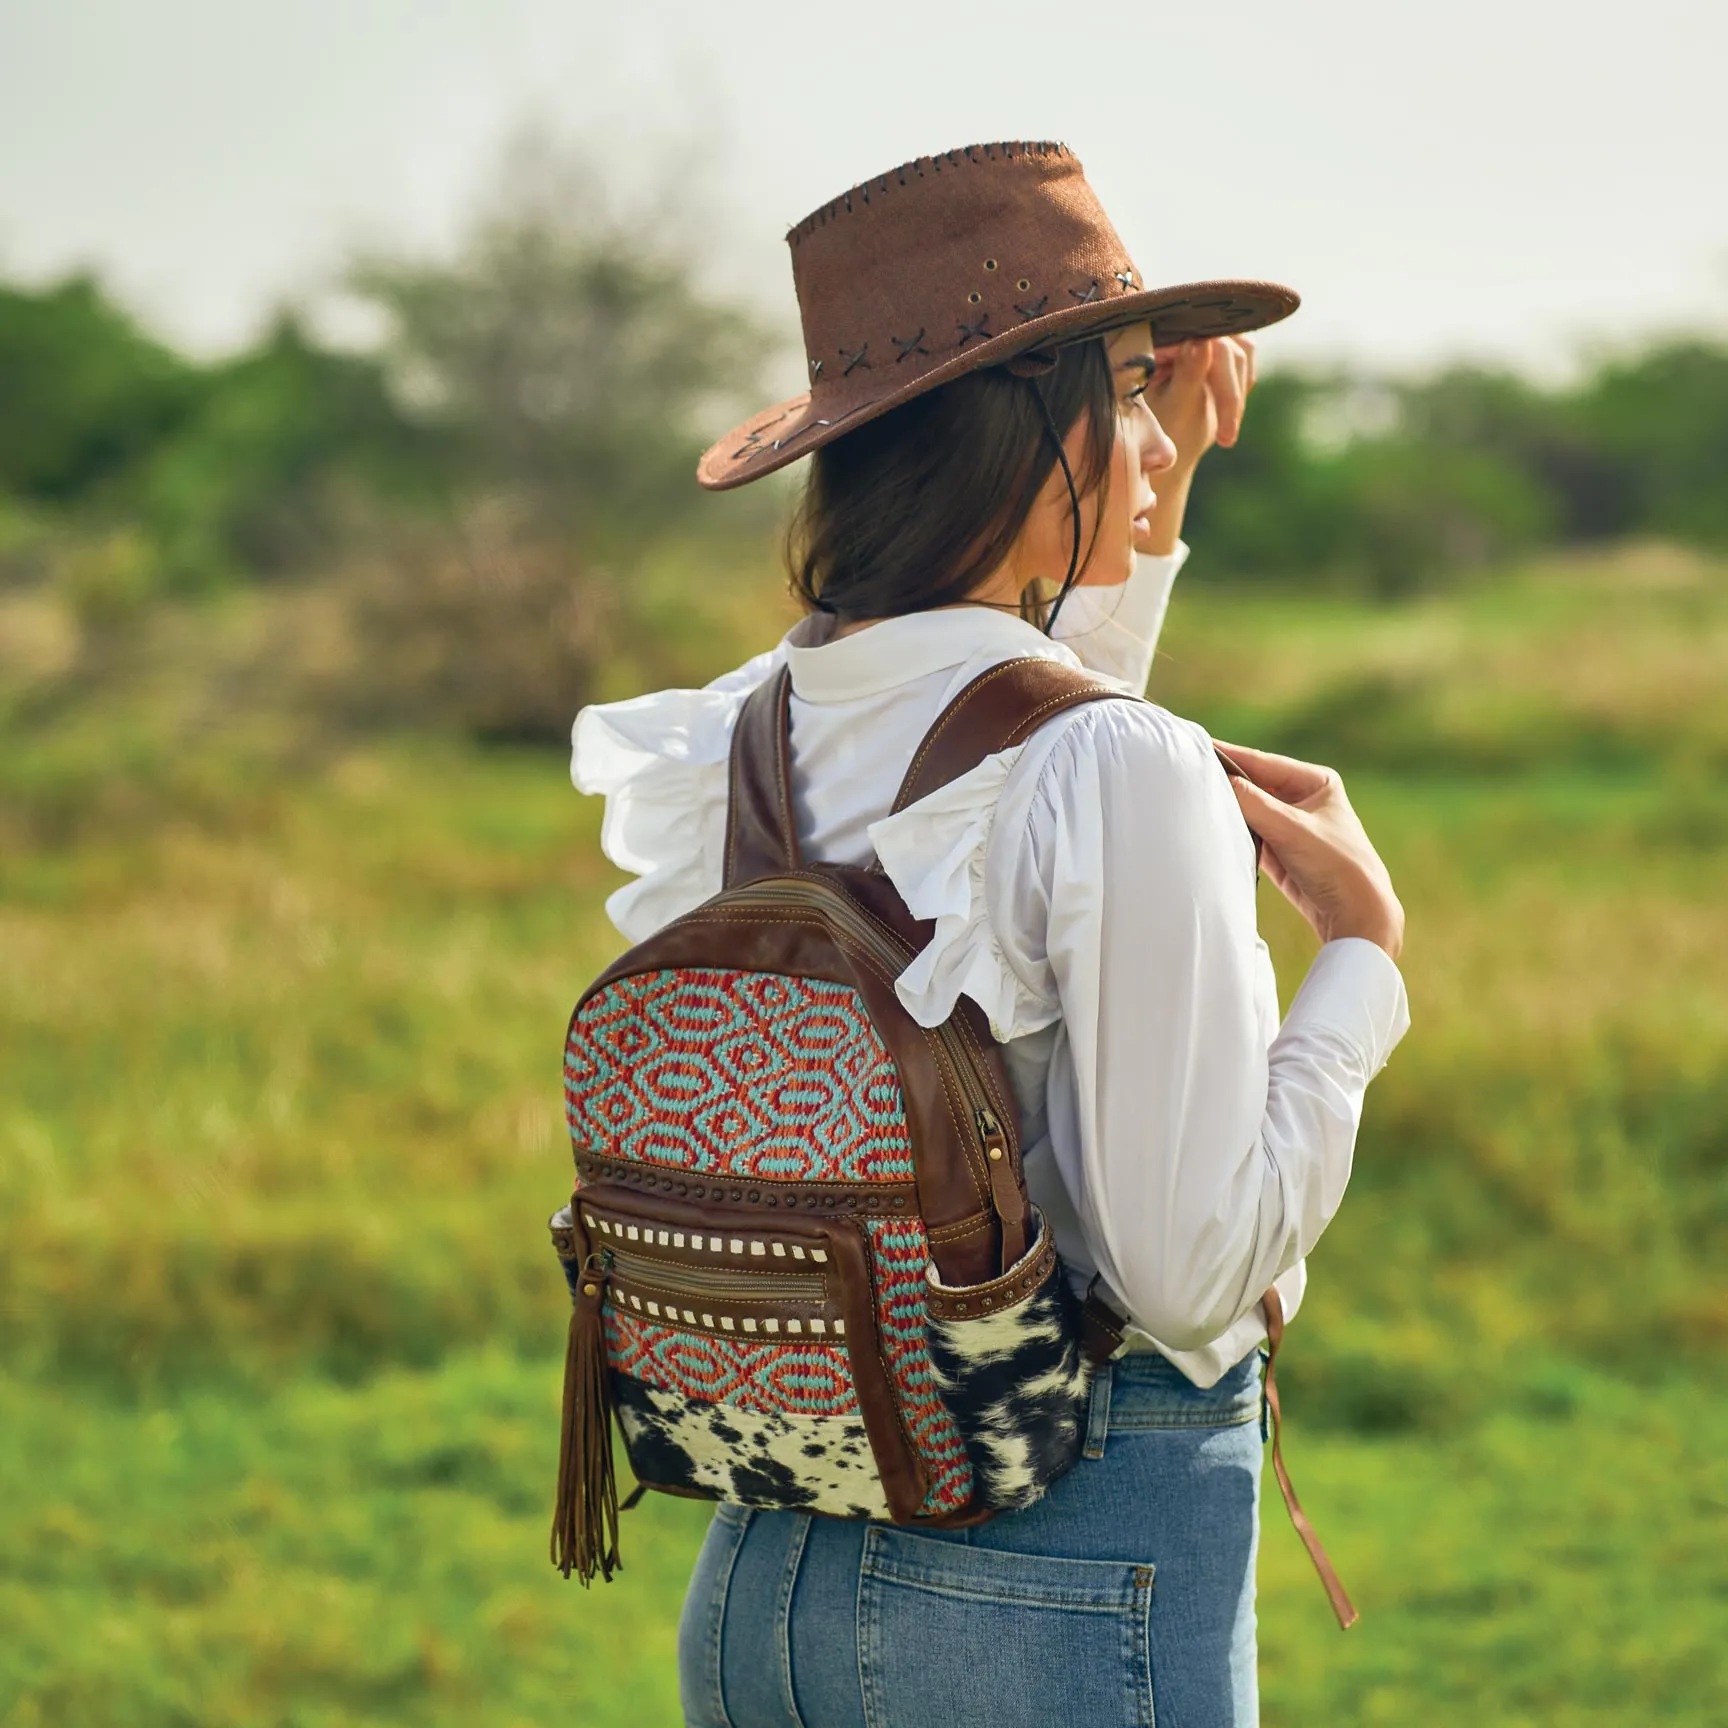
(1145, 362)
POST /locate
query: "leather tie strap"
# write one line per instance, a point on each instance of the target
(1336, 1594)
(1101, 1337)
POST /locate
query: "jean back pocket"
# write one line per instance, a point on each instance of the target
(954, 1636)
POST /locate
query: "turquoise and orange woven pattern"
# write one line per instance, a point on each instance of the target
(797, 1379)
(900, 1251)
(759, 1074)
(739, 1074)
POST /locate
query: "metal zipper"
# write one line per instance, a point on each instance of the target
(721, 1282)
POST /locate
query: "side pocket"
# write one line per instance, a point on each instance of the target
(976, 1638)
(1007, 1359)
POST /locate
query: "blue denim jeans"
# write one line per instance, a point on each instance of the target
(1125, 1596)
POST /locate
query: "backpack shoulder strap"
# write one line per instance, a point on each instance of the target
(1004, 707)
(761, 834)
(1000, 708)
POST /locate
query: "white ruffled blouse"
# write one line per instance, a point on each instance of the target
(1093, 890)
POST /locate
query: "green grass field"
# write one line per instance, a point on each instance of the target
(280, 1332)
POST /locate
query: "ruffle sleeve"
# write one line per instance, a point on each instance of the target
(934, 852)
(660, 762)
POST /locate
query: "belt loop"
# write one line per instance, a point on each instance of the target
(1098, 1411)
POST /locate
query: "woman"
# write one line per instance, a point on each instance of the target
(1005, 422)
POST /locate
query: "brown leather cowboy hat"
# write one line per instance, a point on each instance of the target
(951, 263)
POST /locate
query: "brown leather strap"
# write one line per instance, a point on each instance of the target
(1101, 1329)
(1000, 708)
(1335, 1591)
(761, 834)
(1004, 707)
(997, 710)
(1101, 1335)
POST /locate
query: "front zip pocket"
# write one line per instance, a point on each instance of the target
(732, 1343)
(718, 1281)
(756, 1282)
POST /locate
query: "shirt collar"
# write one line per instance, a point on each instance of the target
(899, 650)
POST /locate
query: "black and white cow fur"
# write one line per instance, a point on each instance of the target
(1017, 1385)
(763, 1458)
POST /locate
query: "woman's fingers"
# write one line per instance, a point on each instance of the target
(1267, 814)
(1231, 378)
(1316, 849)
(1283, 776)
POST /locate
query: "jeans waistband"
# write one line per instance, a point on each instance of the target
(1145, 1391)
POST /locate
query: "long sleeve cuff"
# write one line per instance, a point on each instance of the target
(1354, 992)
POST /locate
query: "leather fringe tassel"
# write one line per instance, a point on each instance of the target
(585, 1514)
(1336, 1594)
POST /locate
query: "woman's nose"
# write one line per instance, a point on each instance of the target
(1156, 451)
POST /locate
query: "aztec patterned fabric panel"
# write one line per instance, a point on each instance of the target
(736, 1073)
(793, 1379)
(899, 1254)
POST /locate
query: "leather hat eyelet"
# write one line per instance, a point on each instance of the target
(974, 297)
(989, 263)
(1024, 283)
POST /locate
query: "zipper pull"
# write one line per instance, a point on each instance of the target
(1007, 1197)
(990, 1132)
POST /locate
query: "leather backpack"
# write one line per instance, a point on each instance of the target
(804, 1270)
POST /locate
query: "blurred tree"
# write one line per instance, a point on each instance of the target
(569, 353)
(1658, 423)
(289, 443)
(83, 392)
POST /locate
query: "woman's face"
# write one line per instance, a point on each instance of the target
(1112, 514)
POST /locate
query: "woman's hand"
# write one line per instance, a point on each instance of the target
(1316, 849)
(1198, 393)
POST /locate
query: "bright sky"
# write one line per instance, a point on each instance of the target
(1489, 177)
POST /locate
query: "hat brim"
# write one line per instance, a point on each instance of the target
(776, 436)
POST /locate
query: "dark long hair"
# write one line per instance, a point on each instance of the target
(915, 509)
